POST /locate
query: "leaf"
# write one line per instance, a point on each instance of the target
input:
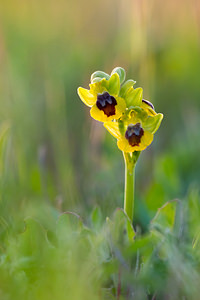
(196, 241)
(165, 218)
(52, 238)
(145, 244)
(32, 242)
(96, 217)
(68, 226)
(69, 221)
(193, 210)
(121, 228)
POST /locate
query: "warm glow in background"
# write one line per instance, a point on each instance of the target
(54, 152)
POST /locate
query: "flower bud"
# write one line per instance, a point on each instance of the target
(100, 75)
(121, 72)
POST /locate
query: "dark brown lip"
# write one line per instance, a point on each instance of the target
(134, 134)
(106, 103)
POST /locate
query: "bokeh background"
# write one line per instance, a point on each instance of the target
(53, 156)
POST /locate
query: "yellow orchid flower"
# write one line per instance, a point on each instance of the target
(131, 119)
(135, 130)
(103, 98)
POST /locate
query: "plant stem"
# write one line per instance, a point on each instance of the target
(130, 162)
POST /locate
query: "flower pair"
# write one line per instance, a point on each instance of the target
(128, 117)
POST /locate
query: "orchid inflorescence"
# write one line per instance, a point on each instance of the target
(122, 109)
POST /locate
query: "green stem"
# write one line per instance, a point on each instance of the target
(130, 162)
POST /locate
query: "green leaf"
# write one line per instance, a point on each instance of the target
(164, 220)
(122, 230)
(69, 227)
(196, 241)
(193, 209)
(96, 217)
(32, 240)
(121, 72)
(99, 74)
(69, 222)
(52, 238)
(145, 244)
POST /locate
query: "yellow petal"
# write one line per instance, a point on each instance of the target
(99, 115)
(97, 87)
(146, 140)
(86, 96)
(113, 128)
(120, 107)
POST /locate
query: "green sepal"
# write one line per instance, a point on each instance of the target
(152, 123)
(112, 85)
(96, 79)
(135, 156)
(126, 86)
(121, 72)
(137, 112)
(133, 97)
(99, 74)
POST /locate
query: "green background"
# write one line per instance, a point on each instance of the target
(53, 151)
(55, 158)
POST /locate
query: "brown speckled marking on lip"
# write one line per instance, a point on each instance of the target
(107, 103)
(148, 103)
(134, 133)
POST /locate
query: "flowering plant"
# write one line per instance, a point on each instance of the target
(131, 119)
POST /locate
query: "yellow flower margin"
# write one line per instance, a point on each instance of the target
(89, 97)
(149, 122)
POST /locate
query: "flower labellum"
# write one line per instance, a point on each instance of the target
(107, 103)
(134, 133)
